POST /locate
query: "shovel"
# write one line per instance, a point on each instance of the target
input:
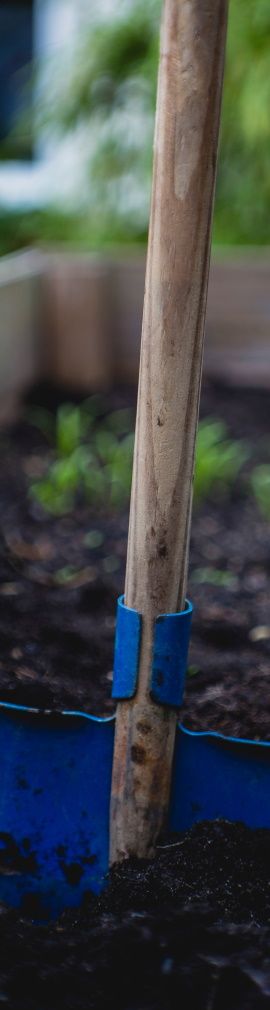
(78, 792)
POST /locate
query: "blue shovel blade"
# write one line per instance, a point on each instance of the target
(55, 799)
(216, 776)
(54, 808)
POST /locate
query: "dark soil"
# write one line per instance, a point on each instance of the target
(230, 648)
(190, 929)
(56, 632)
(57, 596)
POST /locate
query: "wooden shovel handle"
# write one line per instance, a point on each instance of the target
(185, 152)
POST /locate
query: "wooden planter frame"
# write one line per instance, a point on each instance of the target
(76, 319)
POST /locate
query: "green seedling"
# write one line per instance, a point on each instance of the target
(65, 575)
(71, 429)
(71, 424)
(96, 460)
(73, 578)
(90, 460)
(218, 460)
(55, 492)
(214, 577)
(260, 482)
(192, 671)
(93, 539)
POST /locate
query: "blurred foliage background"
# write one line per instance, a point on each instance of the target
(108, 94)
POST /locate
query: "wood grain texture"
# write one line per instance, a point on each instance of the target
(185, 150)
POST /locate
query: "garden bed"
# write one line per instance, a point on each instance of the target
(193, 925)
(60, 576)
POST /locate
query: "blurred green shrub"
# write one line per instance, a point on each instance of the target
(109, 91)
(114, 84)
(260, 482)
(19, 229)
(243, 190)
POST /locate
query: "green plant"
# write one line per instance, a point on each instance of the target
(214, 577)
(260, 482)
(66, 430)
(218, 459)
(93, 460)
(192, 671)
(94, 539)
